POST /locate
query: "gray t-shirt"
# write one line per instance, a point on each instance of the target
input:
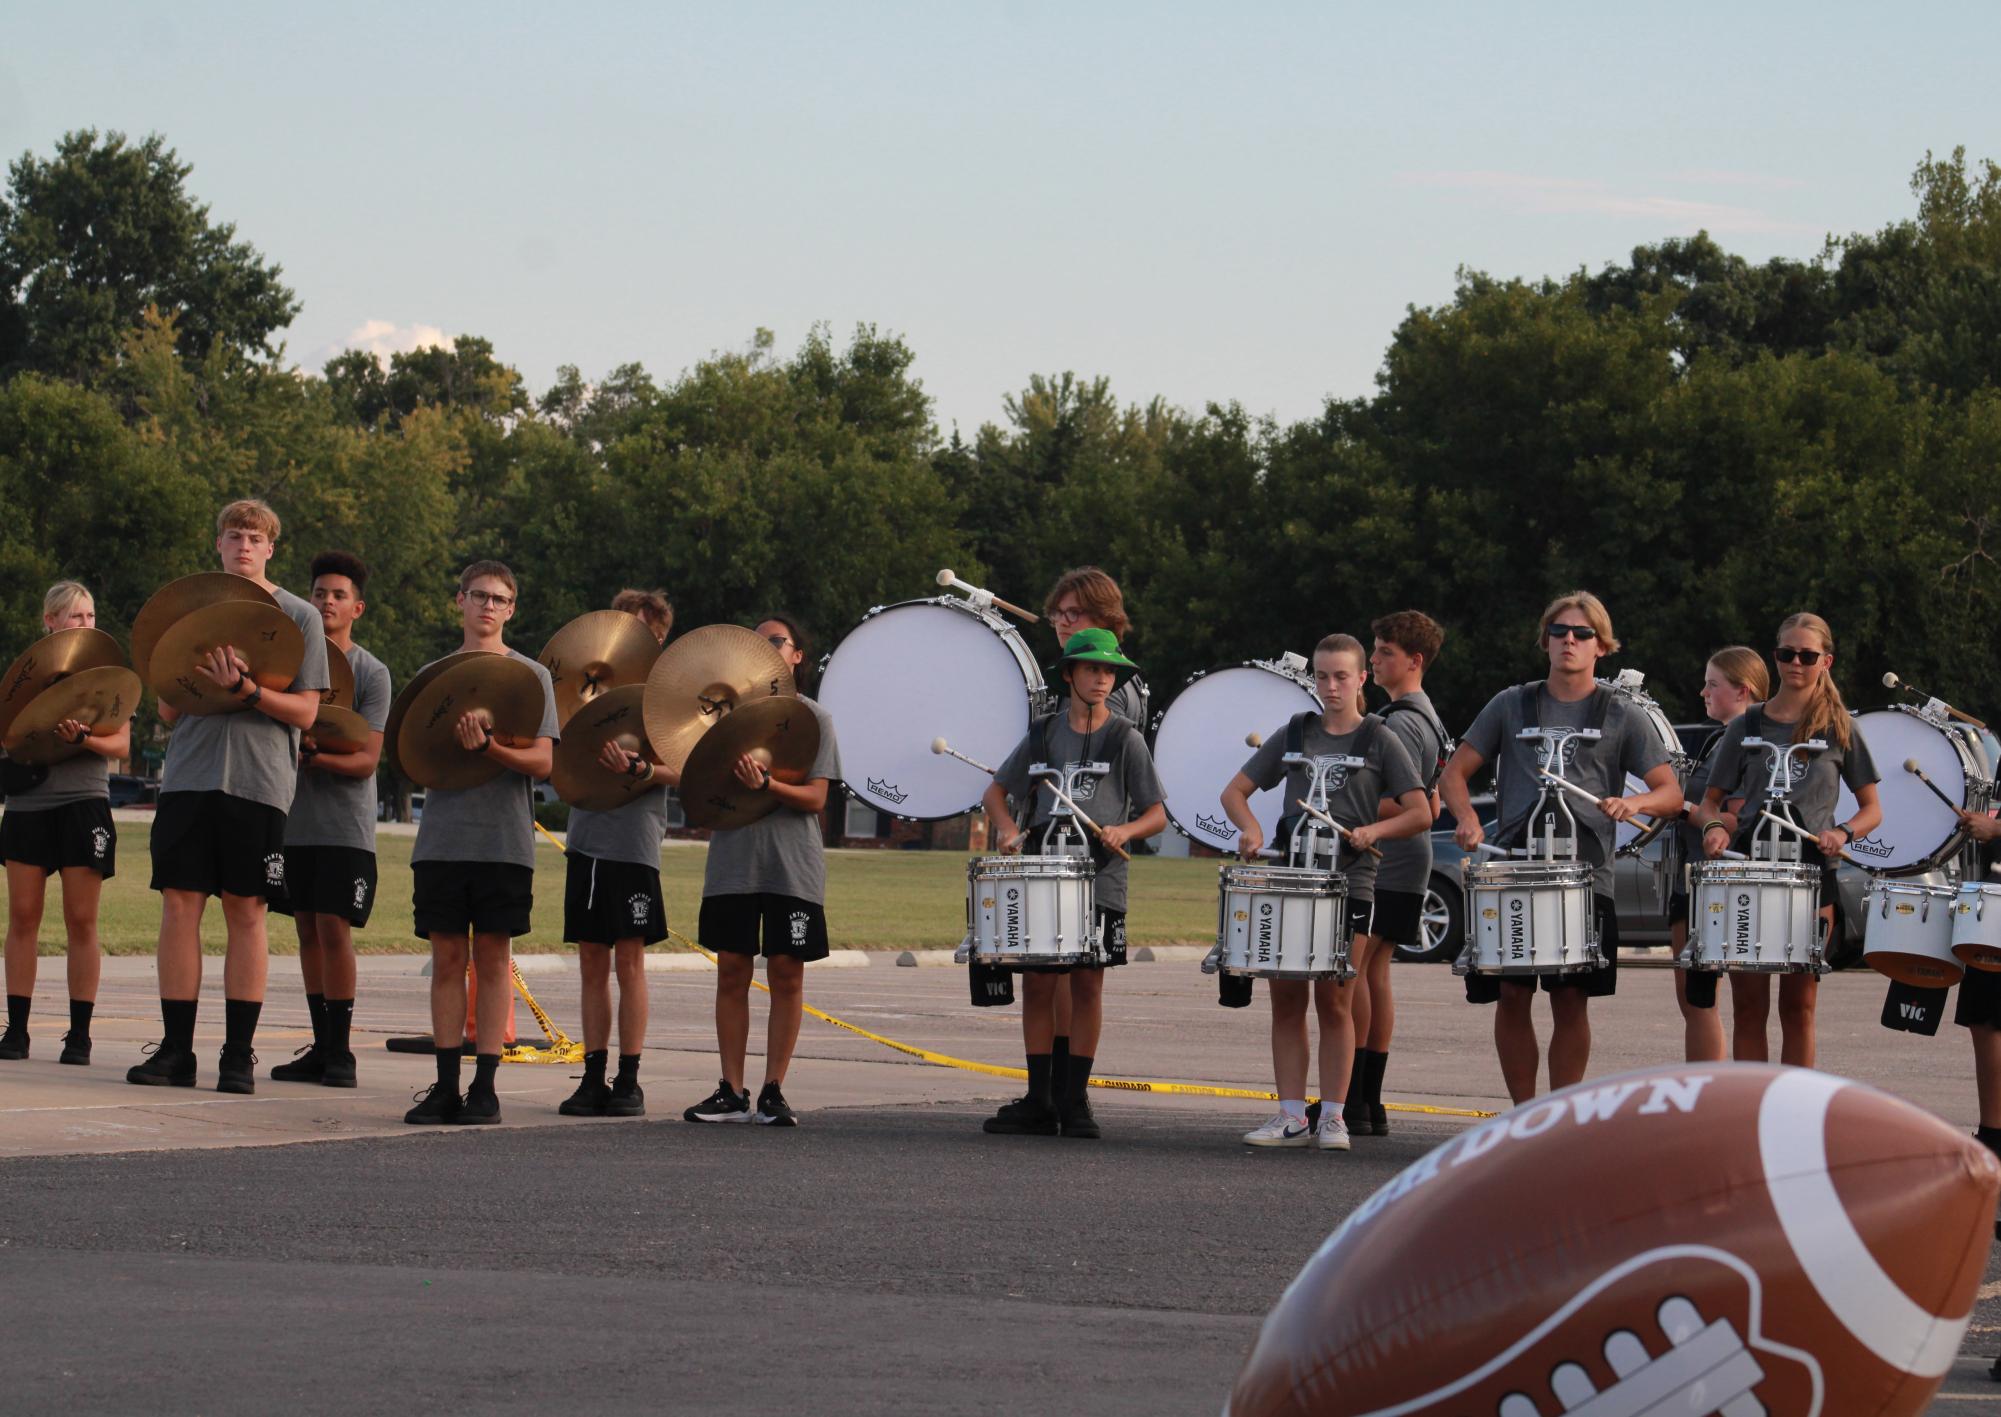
(1406, 863)
(1127, 791)
(630, 832)
(494, 822)
(248, 753)
(84, 778)
(1354, 795)
(781, 852)
(1817, 777)
(1629, 745)
(331, 809)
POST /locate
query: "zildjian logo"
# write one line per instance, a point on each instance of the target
(1219, 826)
(444, 707)
(886, 790)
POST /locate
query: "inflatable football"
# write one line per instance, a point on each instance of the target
(1705, 1238)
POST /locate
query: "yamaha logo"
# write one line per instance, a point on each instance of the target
(887, 791)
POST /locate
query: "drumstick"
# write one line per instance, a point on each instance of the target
(1801, 832)
(984, 598)
(1078, 813)
(1911, 767)
(1891, 681)
(1569, 786)
(1347, 835)
(939, 745)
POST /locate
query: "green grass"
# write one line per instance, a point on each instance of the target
(889, 900)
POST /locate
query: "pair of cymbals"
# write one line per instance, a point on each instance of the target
(101, 699)
(422, 732)
(595, 654)
(781, 734)
(703, 677)
(186, 620)
(177, 598)
(579, 776)
(50, 660)
(337, 728)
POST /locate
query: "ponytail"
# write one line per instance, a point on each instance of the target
(1826, 716)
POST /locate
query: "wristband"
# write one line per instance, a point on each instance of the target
(237, 687)
(1846, 830)
(1712, 826)
(639, 767)
(256, 693)
(487, 744)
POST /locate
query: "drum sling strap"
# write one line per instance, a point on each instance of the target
(1434, 768)
(1531, 702)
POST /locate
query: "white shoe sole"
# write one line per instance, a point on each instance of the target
(1341, 1145)
(721, 1117)
(1303, 1139)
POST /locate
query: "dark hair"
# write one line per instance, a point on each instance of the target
(1412, 631)
(802, 674)
(496, 569)
(1097, 592)
(652, 606)
(1345, 644)
(340, 563)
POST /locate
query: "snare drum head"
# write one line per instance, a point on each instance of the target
(1199, 746)
(920, 671)
(1917, 832)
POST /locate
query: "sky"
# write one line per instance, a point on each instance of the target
(1204, 203)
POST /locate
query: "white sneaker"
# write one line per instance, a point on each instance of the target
(1282, 1130)
(1333, 1133)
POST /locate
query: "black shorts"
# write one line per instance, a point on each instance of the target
(1979, 999)
(1595, 983)
(1399, 918)
(328, 880)
(472, 898)
(789, 926)
(57, 838)
(608, 901)
(215, 844)
(1677, 912)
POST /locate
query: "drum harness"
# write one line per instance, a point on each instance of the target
(1061, 836)
(1310, 840)
(1549, 800)
(1771, 842)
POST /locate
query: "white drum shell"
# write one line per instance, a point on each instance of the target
(1528, 917)
(1758, 917)
(1198, 746)
(1283, 922)
(1025, 912)
(1976, 925)
(1907, 933)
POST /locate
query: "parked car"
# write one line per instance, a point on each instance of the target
(130, 791)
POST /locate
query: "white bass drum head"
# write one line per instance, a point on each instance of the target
(1917, 832)
(1199, 746)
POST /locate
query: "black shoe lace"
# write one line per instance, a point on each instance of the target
(83, 1042)
(309, 1048)
(149, 1049)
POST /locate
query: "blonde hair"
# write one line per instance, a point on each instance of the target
(249, 514)
(61, 596)
(1595, 613)
(1826, 715)
(1744, 667)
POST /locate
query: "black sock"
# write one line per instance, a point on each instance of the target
(1378, 1063)
(448, 1067)
(594, 1066)
(628, 1067)
(484, 1067)
(1077, 1081)
(316, 1010)
(179, 1017)
(1059, 1063)
(339, 1025)
(1038, 1080)
(17, 1012)
(80, 1011)
(1989, 1137)
(1357, 1103)
(239, 1022)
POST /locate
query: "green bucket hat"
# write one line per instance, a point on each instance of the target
(1094, 647)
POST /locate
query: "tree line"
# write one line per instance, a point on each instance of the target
(1710, 443)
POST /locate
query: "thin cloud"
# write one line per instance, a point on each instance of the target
(383, 338)
(1531, 194)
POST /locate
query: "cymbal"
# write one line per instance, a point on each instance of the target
(102, 698)
(176, 598)
(50, 658)
(702, 677)
(264, 635)
(339, 730)
(504, 692)
(579, 778)
(594, 653)
(339, 692)
(781, 733)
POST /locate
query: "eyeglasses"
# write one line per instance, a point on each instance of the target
(780, 641)
(1066, 613)
(1786, 654)
(1558, 630)
(490, 599)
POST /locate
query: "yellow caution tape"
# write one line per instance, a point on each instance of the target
(996, 1070)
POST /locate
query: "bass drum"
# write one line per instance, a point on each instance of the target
(1634, 834)
(919, 671)
(1917, 833)
(1198, 743)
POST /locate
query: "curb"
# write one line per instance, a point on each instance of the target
(667, 963)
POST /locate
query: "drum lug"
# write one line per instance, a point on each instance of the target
(1459, 965)
(963, 954)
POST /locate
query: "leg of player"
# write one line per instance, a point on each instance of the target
(1515, 1040)
(27, 887)
(1087, 1025)
(1750, 1015)
(1569, 1037)
(449, 955)
(1034, 1113)
(593, 1092)
(82, 889)
(785, 977)
(735, 969)
(1059, 1046)
(1701, 1028)
(1289, 1053)
(627, 1099)
(1361, 1010)
(337, 981)
(1333, 1001)
(1798, 994)
(492, 953)
(1987, 1082)
(245, 967)
(309, 1064)
(179, 965)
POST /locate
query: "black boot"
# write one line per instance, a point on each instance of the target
(1030, 1116)
(1379, 1115)
(1073, 1106)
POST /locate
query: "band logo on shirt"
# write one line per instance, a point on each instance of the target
(1337, 775)
(1562, 740)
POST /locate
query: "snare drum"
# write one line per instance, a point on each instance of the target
(1976, 925)
(1755, 917)
(1283, 922)
(1027, 912)
(1528, 917)
(914, 672)
(1198, 744)
(1907, 932)
(1918, 834)
(1636, 834)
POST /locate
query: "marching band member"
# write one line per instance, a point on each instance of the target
(1406, 645)
(473, 869)
(1575, 633)
(765, 886)
(330, 839)
(1732, 681)
(1807, 706)
(1128, 804)
(1354, 798)
(1978, 1011)
(59, 820)
(652, 607)
(219, 829)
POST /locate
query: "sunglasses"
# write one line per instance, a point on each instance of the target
(778, 641)
(1558, 630)
(1785, 654)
